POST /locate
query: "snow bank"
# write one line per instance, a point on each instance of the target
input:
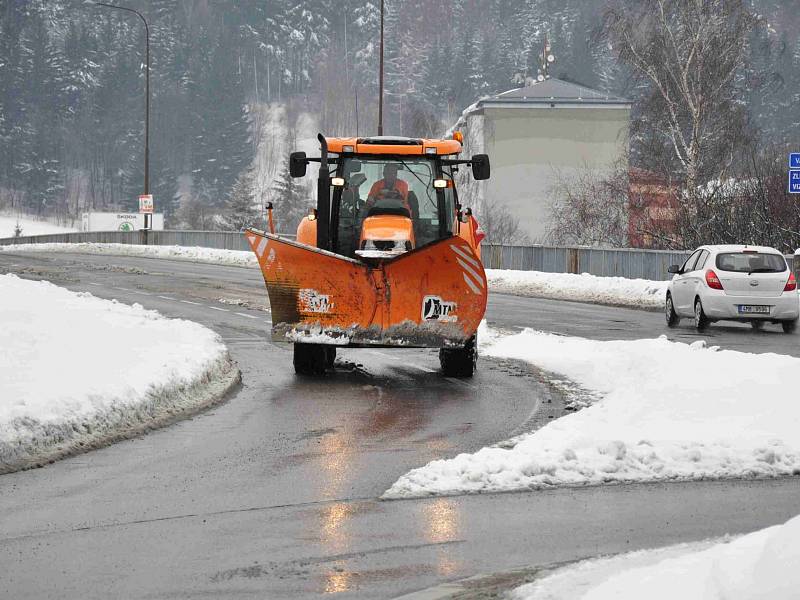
(759, 565)
(78, 372)
(29, 226)
(617, 291)
(242, 258)
(668, 411)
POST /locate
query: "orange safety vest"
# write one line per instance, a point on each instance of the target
(400, 185)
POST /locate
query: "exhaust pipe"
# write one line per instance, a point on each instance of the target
(323, 197)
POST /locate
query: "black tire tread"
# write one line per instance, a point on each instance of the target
(459, 362)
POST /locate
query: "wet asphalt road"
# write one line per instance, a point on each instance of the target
(273, 494)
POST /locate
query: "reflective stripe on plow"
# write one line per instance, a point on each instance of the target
(475, 289)
(465, 256)
(469, 270)
(262, 245)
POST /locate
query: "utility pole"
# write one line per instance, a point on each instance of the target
(546, 59)
(147, 217)
(380, 85)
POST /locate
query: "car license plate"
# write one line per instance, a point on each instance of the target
(748, 309)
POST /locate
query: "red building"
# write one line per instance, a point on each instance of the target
(652, 210)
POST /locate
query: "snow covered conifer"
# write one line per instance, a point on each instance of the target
(241, 209)
(291, 200)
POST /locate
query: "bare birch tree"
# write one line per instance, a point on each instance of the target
(590, 207)
(692, 54)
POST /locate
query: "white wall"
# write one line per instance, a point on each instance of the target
(530, 146)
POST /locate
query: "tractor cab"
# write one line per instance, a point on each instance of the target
(389, 206)
(387, 195)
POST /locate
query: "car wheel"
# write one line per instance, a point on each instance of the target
(669, 309)
(757, 325)
(700, 318)
(789, 326)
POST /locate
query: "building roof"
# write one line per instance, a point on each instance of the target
(554, 91)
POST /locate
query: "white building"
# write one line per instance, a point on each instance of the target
(536, 134)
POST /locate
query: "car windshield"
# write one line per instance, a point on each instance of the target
(751, 262)
(391, 186)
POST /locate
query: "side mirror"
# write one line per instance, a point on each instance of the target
(480, 166)
(675, 269)
(297, 164)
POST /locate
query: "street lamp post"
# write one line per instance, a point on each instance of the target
(147, 216)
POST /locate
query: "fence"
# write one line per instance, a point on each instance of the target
(225, 240)
(622, 262)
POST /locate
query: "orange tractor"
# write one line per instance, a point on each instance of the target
(388, 258)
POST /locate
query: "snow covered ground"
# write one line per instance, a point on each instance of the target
(667, 411)
(29, 226)
(636, 293)
(189, 253)
(77, 371)
(760, 565)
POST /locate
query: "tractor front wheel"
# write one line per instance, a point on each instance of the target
(312, 359)
(460, 362)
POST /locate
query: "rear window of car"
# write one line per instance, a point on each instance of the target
(751, 262)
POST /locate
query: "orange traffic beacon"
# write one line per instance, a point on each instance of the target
(387, 259)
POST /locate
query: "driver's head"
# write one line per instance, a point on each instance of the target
(389, 174)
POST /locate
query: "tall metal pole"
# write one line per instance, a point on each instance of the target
(380, 85)
(146, 103)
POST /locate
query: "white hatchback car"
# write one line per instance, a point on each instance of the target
(736, 283)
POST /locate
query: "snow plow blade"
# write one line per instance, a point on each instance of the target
(431, 297)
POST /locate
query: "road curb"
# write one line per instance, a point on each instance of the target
(483, 586)
(162, 407)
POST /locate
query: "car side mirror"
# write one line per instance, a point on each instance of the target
(676, 269)
(480, 167)
(297, 164)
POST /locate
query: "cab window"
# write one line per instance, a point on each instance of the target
(389, 186)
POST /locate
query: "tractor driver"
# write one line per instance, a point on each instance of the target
(389, 186)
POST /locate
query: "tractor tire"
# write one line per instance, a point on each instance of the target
(311, 359)
(460, 362)
(330, 356)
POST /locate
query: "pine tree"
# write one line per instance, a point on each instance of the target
(220, 121)
(291, 201)
(240, 208)
(39, 161)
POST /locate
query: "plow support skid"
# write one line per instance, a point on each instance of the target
(431, 297)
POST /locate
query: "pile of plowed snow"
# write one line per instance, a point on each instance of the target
(667, 411)
(241, 258)
(758, 565)
(616, 291)
(77, 371)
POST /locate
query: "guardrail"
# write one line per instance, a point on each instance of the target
(618, 262)
(631, 263)
(224, 240)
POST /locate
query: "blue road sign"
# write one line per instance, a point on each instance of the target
(794, 160)
(794, 182)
